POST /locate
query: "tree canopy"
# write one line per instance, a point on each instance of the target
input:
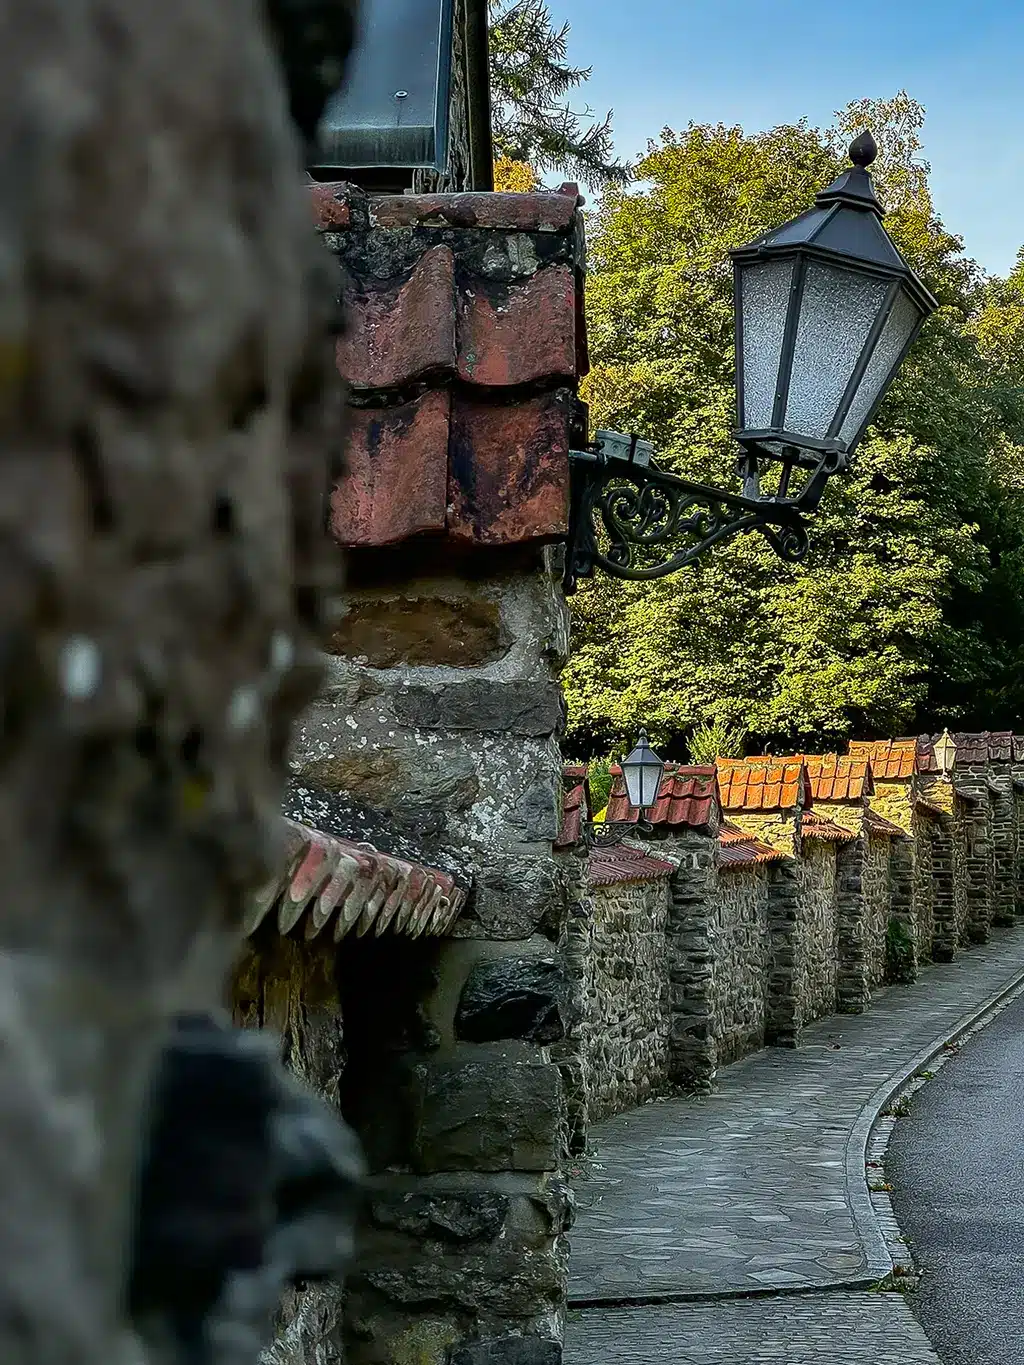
(533, 122)
(909, 608)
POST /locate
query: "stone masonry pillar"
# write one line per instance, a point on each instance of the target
(442, 711)
(691, 947)
(853, 990)
(784, 1017)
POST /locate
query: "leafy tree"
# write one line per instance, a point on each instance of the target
(908, 609)
(712, 740)
(530, 79)
(517, 176)
(599, 776)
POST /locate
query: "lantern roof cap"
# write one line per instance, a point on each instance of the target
(845, 225)
(855, 187)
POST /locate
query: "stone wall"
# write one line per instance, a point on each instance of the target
(818, 944)
(742, 938)
(978, 824)
(1004, 844)
(931, 852)
(443, 711)
(626, 1029)
(877, 893)
(784, 1012)
(853, 977)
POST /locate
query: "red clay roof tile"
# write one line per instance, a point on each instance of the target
(893, 759)
(330, 203)
(763, 783)
(576, 807)
(978, 747)
(468, 312)
(814, 826)
(396, 483)
(739, 849)
(517, 334)
(509, 469)
(404, 329)
(608, 866)
(687, 797)
(327, 878)
(545, 211)
(838, 777)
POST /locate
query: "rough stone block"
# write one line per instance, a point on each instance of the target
(518, 997)
(396, 779)
(502, 1281)
(489, 1109)
(507, 1351)
(450, 1217)
(413, 631)
(515, 708)
(511, 898)
(536, 814)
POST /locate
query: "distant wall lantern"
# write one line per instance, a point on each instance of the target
(642, 773)
(826, 310)
(945, 753)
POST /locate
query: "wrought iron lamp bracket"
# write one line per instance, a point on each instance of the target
(610, 833)
(638, 522)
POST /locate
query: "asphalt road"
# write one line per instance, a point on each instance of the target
(957, 1168)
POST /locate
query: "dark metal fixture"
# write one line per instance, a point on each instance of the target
(642, 772)
(392, 111)
(826, 310)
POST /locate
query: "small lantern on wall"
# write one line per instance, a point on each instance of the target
(945, 753)
(642, 771)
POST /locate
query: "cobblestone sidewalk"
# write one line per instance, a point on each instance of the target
(751, 1190)
(811, 1329)
(748, 1190)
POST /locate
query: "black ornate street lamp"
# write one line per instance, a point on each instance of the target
(826, 310)
(642, 773)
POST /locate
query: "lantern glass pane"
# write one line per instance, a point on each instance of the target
(836, 312)
(898, 329)
(650, 781)
(764, 292)
(392, 109)
(631, 772)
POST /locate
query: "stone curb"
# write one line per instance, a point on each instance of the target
(865, 1215)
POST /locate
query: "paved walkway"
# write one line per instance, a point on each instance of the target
(812, 1329)
(760, 1188)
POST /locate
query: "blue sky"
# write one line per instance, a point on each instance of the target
(763, 62)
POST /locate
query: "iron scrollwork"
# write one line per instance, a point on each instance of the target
(636, 521)
(598, 834)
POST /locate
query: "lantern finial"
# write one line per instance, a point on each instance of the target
(863, 149)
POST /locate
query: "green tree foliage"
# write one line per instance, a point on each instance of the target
(908, 609)
(600, 779)
(530, 79)
(713, 740)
